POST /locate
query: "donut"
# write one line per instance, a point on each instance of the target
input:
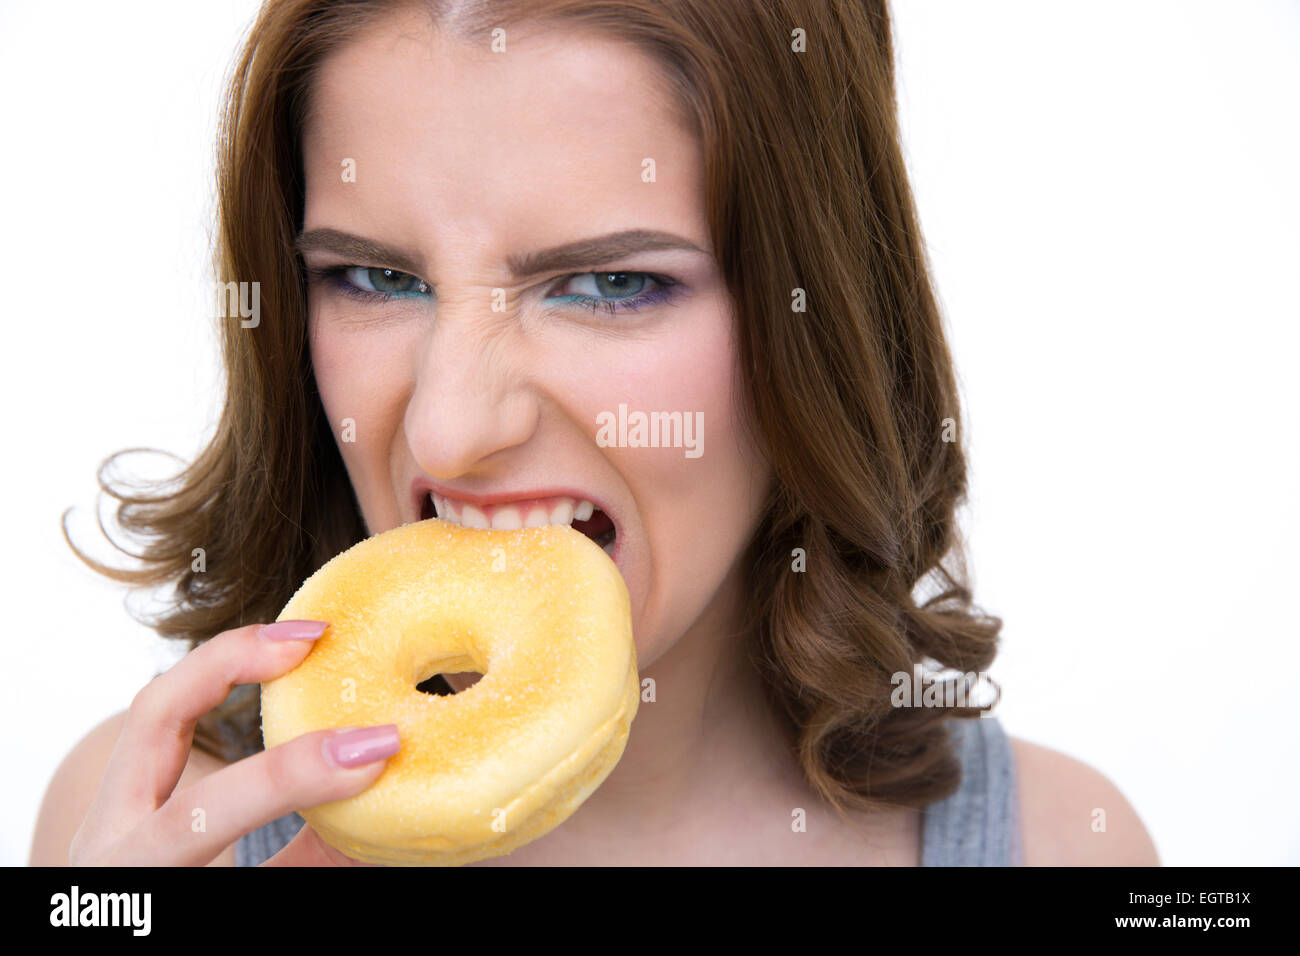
(542, 613)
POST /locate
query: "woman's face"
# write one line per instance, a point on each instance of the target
(545, 276)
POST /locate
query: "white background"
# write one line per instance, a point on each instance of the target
(1110, 197)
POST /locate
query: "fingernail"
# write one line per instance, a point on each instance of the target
(352, 748)
(293, 630)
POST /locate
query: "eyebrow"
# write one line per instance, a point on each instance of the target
(355, 247)
(572, 255)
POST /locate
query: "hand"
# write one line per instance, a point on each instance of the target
(136, 819)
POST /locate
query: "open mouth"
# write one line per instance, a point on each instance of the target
(581, 515)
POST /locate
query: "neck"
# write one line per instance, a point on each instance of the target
(708, 731)
(708, 774)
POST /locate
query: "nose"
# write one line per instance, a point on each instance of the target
(473, 396)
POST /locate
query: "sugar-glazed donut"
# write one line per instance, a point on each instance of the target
(542, 613)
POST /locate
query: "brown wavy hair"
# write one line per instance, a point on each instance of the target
(851, 399)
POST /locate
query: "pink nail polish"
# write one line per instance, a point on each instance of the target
(352, 748)
(293, 630)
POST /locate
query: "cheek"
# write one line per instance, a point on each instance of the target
(363, 380)
(694, 513)
(687, 368)
(692, 375)
(338, 381)
(330, 370)
(701, 500)
(361, 367)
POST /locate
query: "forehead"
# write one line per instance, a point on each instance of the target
(444, 130)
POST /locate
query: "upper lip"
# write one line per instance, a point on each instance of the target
(422, 487)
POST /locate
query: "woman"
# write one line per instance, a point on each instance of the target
(476, 232)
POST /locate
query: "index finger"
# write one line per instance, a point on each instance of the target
(156, 738)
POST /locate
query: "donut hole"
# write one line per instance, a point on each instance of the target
(449, 676)
(440, 686)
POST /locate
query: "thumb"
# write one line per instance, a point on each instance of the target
(308, 849)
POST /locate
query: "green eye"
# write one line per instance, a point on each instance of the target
(616, 292)
(385, 282)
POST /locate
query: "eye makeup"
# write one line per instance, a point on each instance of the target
(364, 284)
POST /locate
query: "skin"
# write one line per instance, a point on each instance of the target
(503, 154)
(485, 401)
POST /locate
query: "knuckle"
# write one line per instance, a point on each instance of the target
(236, 656)
(210, 654)
(151, 707)
(144, 705)
(286, 772)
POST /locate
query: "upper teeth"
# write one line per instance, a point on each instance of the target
(509, 517)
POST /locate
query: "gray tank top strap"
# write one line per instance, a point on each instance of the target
(979, 825)
(255, 848)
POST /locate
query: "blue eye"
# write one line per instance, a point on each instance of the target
(618, 291)
(614, 292)
(370, 284)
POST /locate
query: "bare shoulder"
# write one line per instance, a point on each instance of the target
(1072, 815)
(71, 790)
